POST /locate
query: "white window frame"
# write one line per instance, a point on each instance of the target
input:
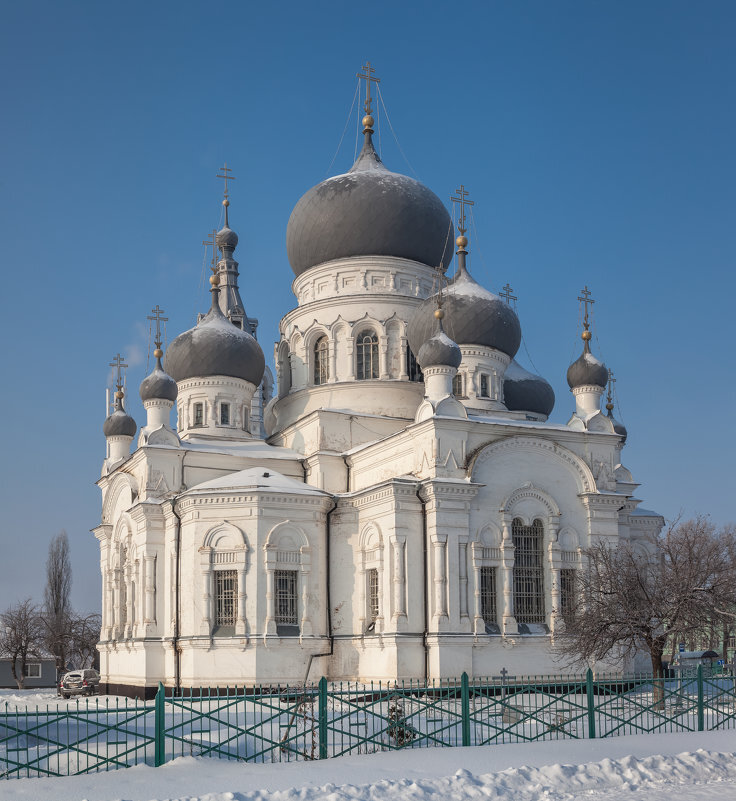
(32, 674)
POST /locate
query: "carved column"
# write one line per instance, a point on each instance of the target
(399, 578)
(129, 609)
(510, 625)
(463, 578)
(240, 628)
(403, 375)
(350, 359)
(270, 623)
(306, 565)
(440, 575)
(205, 627)
(383, 358)
(555, 564)
(149, 564)
(332, 360)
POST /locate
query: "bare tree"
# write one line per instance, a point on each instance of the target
(57, 606)
(21, 636)
(85, 634)
(638, 594)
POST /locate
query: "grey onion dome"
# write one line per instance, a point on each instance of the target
(587, 370)
(215, 347)
(439, 351)
(526, 392)
(475, 316)
(119, 423)
(226, 238)
(369, 211)
(158, 385)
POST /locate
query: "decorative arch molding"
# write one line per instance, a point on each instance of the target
(573, 463)
(510, 506)
(366, 321)
(314, 332)
(287, 553)
(488, 535)
(568, 539)
(281, 533)
(370, 537)
(122, 483)
(225, 535)
(123, 530)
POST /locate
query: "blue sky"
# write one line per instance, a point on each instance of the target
(596, 139)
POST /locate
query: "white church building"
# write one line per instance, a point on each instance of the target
(397, 506)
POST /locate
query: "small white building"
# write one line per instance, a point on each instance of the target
(372, 520)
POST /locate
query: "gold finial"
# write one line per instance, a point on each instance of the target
(119, 364)
(462, 241)
(119, 394)
(584, 297)
(157, 315)
(463, 201)
(158, 353)
(215, 280)
(439, 313)
(367, 76)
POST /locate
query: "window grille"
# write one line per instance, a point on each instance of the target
(372, 576)
(226, 590)
(412, 368)
(457, 385)
(528, 571)
(286, 599)
(488, 595)
(567, 591)
(32, 670)
(225, 414)
(198, 414)
(321, 366)
(367, 356)
(484, 386)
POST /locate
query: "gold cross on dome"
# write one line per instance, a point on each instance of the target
(225, 170)
(156, 314)
(505, 293)
(367, 76)
(212, 243)
(119, 364)
(584, 297)
(463, 201)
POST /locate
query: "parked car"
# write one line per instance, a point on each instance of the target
(79, 682)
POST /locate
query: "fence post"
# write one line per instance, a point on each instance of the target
(701, 710)
(323, 718)
(591, 703)
(159, 726)
(465, 705)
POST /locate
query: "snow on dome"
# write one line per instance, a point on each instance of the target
(439, 350)
(158, 385)
(119, 423)
(215, 347)
(587, 370)
(526, 392)
(369, 211)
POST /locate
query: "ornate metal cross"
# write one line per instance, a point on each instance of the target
(367, 76)
(505, 293)
(119, 364)
(156, 315)
(463, 201)
(584, 297)
(226, 177)
(212, 243)
(611, 382)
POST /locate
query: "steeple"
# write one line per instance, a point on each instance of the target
(226, 240)
(158, 390)
(119, 428)
(462, 240)
(368, 159)
(587, 376)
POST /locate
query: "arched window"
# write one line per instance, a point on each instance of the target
(367, 356)
(528, 571)
(457, 386)
(321, 365)
(412, 368)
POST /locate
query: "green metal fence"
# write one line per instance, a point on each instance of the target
(279, 724)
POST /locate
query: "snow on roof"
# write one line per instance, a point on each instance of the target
(257, 478)
(645, 513)
(255, 449)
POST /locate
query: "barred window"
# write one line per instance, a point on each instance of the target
(372, 579)
(225, 414)
(226, 590)
(528, 571)
(286, 598)
(412, 368)
(321, 366)
(488, 594)
(367, 356)
(484, 386)
(199, 414)
(457, 386)
(567, 591)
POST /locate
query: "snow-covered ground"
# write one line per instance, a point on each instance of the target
(661, 767)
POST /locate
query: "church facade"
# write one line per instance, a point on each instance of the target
(397, 506)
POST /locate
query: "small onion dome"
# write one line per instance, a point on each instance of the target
(619, 428)
(587, 370)
(439, 350)
(119, 423)
(525, 392)
(215, 347)
(475, 317)
(158, 385)
(226, 238)
(368, 211)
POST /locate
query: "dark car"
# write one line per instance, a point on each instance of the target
(79, 682)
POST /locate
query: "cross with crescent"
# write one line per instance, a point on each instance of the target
(118, 363)
(463, 201)
(156, 314)
(367, 76)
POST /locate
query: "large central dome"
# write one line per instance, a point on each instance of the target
(369, 211)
